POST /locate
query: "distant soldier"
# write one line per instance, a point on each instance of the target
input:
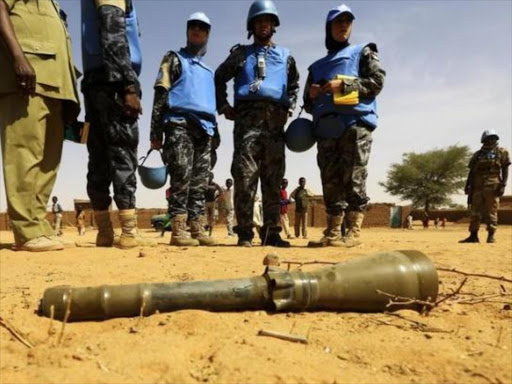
(487, 178)
(266, 86)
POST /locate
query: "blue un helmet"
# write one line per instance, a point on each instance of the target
(258, 8)
(299, 135)
(335, 12)
(488, 134)
(199, 16)
(152, 177)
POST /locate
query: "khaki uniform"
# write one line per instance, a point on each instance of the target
(485, 167)
(32, 127)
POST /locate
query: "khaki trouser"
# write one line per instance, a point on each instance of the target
(484, 207)
(285, 223)
(32, 134)
(301, 220)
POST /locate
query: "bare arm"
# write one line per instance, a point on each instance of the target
(25, 74)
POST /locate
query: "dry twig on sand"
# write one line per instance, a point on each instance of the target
(66, 317)
(484, 275)
(284, 336)
(17, 334)
(454, 293)
(302, 263)
(404, 301)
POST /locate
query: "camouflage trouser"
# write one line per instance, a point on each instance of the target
(259, 154)
(187, 151)
(342, 163)
(484, 207)
(112, 145)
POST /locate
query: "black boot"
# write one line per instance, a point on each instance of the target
(272, 238)
(490, 235)
(245, 236)
(473, 238)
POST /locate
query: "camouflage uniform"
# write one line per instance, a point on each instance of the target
(113, 136)
(258, 145)
(343, 160)
(485, 172)
(187, 147)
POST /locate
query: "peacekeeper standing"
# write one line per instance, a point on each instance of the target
(486, 182)
(38, 95)
(112, 62)
(184, 109)
(266, 83)
(340, 94)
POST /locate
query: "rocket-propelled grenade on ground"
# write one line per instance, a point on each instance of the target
(353, 285)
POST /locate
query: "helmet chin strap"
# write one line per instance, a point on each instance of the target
(197, 49)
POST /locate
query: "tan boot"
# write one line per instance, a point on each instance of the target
(105, 236)
(179, 235)
(332, 234)
(130, 237)
(355, 222)
(198, 232)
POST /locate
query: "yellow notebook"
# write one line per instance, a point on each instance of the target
(351, 98)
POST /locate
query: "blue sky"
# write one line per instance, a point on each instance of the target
(448, 63)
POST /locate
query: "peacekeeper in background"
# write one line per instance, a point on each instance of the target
(340, 94)
(486, 182)
(266, 83)
(38, 95)
(184, 109)
(112, 63)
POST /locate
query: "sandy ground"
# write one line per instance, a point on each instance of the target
(455, 343)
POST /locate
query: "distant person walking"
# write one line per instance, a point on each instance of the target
(425, 220)
(80, 222)
(283, 210)
(228, 206)
(302, 196)
(409, 221)
(57, 216)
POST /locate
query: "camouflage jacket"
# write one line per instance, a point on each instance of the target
(168, 74)
(118, 69)
(486, 166)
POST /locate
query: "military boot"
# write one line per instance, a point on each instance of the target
(105, 236)
(179, 235)
(355, 222)
(490, 235)
(272, 238)
(130, 237)
(198, 232)
(332, 234)
(473, 238)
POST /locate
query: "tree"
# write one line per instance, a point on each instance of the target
(428, 179)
